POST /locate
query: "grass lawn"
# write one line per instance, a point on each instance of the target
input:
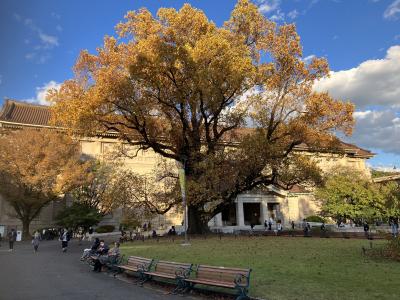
(289, 268)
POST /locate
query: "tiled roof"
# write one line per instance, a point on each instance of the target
(25, 113)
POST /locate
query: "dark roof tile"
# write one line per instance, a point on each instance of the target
(25, 113)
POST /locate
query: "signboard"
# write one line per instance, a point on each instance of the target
(19, 235)
(2, 229)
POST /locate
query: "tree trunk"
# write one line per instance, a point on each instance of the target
(197, 224)
(25, 229)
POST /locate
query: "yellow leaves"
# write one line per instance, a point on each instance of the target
(172, 74)
(326, 114)
(139, 25)
(251, 26)
(44, 161)
(185, 26)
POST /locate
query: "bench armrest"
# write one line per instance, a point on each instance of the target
(182, 273)
(143, 267)
(241, 280)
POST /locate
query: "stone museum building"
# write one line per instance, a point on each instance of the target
(252, 207)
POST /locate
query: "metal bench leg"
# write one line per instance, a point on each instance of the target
(144, 278)
(242, 293)
(181, 286)
(188, 287)
(117, 272)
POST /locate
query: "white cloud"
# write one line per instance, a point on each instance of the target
(374, 86)
(59, 28)
(373, 82)
(278, 16)
(41, 92)
(267, 6)
(377, 129)
(293, 14)
(38, 57)
(1, 79)
(48, 40)
(392, 12)
(38, 53)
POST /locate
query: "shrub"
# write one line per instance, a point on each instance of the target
(393, 248)
(78, 215)
(105, 228)
(316, 219)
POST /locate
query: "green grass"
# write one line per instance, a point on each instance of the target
(289, 268)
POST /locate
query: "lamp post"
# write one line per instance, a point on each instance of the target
(182, 180)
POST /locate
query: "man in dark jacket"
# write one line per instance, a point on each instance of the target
(12, 237)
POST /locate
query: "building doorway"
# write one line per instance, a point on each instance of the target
(252, 213)
(273, 211)
(229, 215)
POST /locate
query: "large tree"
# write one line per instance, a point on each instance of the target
(179, 85)
(37, 167)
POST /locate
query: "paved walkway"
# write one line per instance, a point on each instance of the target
(51, 274)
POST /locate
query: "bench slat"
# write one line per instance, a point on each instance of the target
(214, 283)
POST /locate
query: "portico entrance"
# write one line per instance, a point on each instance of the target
(252, 213)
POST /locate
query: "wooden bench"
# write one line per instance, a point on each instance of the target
(136, 264)
(170, 270)
(233, 278)
(113, 263)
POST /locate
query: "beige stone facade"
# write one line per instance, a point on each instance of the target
(249, 208)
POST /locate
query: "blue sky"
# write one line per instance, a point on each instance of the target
(41, 40)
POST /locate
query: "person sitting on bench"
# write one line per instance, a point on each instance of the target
(92, 250)
(105, 257)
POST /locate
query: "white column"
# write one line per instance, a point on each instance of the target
(239, 213)
(264, 211)
(218, 220)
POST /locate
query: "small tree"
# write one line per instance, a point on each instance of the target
(37, 167)
(79, 215)
(349, 196)
(99, 188)
(391, 194)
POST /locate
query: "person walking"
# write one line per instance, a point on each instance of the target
(12, 237)
(270, 224)
(36, 241)
(394, 224)
(90, 231)
(366, 230)
(64, 238)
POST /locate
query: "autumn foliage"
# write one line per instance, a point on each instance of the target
(37, 167)
(180, 85)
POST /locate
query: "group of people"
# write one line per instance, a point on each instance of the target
(101, 254)
(268, 224)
